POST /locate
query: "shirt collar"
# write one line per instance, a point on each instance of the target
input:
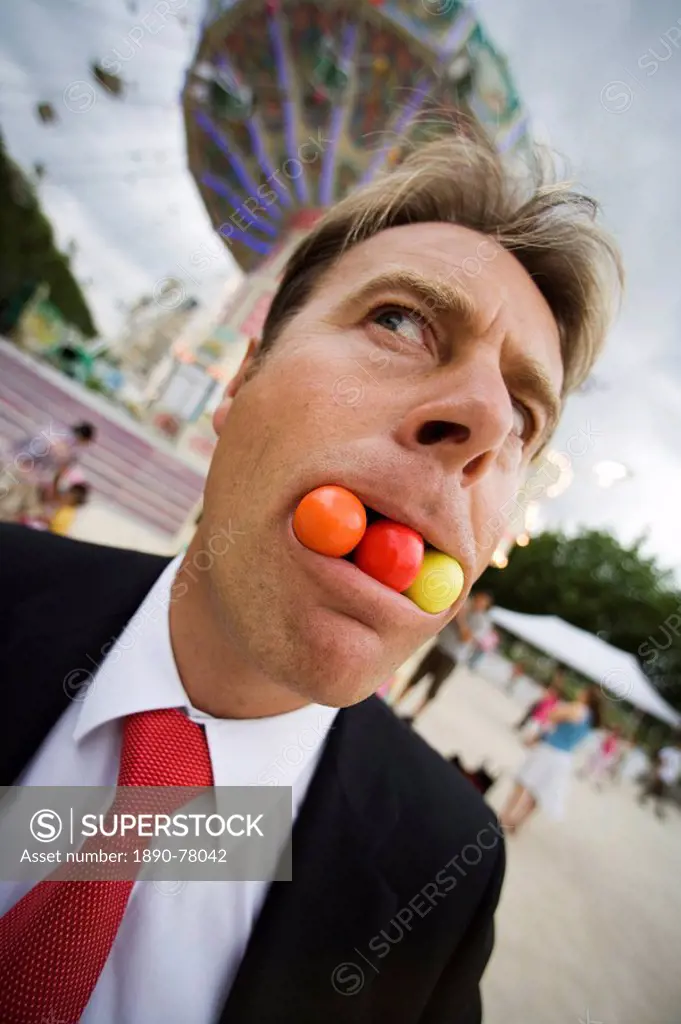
(139, 674)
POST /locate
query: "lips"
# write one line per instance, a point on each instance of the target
(337, 523)
(378, 508)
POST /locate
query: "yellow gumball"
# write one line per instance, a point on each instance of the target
(438, 584)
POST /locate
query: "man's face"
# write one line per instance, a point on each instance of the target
(429, 409)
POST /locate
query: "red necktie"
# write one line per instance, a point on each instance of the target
(55, 941)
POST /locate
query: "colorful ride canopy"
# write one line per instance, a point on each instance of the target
(290, 104)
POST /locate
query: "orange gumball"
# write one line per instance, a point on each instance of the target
(330, 520)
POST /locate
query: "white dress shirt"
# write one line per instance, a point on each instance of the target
(180, 944)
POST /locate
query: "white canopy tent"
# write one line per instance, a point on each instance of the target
(614, 670)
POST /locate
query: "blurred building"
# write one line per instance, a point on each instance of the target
(150, 331)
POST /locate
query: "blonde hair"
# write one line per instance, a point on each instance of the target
(550, 228)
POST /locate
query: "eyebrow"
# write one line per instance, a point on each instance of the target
(439, 297)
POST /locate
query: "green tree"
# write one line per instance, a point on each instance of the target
(29, 256)
(594, 582)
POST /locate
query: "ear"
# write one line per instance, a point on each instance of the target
(234, 385)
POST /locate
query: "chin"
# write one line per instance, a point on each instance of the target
(336, 660)
(343, 692)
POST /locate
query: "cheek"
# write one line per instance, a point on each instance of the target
(325, 393)
(293, 415)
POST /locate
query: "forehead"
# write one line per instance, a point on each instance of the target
(497, 285)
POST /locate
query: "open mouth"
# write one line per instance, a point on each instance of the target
(372, 517)
(339, 524)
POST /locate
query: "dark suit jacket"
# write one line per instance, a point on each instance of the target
(397, 862)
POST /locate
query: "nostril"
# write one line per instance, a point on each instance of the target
(471, 468)
(443, 430)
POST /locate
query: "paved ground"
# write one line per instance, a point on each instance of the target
(590, 916)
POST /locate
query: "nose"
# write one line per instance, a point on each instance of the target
(463, 422)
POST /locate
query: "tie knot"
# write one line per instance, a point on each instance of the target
(164, 748)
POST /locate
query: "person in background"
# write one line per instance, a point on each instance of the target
(65, 508)
(538, 713)
(454, 644)
(665, 775)
(484, 644)
(56, 516)
(477, 625)
(618, 770)
(517, 671)
(544, 777)
(603, 759)
(33, 468)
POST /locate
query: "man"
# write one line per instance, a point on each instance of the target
(250, 641)
(34, 468)
(665, 775)
(455, 643)
(540, 709)
(485, 637)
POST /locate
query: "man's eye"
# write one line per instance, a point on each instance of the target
(523, 421)
(405, 322)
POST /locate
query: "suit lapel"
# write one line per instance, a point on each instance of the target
(339, 897)
(59, 635)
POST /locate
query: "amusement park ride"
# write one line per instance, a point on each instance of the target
(290, 104)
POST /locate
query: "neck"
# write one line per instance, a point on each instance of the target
(215, 669)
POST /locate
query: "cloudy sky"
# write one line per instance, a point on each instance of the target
(602, 82)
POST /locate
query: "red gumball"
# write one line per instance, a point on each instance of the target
(390, 552)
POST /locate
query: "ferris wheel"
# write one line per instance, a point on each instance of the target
(307, 100)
